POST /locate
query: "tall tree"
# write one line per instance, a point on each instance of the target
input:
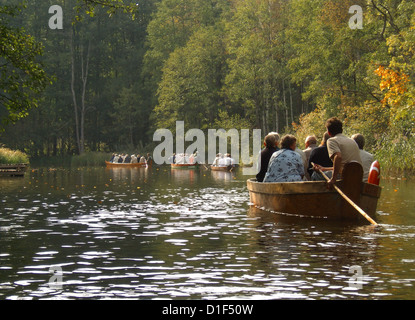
(190, 89)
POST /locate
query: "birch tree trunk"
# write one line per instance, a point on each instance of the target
(80, 111)
(84, 69)
(75, 102)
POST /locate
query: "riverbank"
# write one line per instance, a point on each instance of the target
(8, 156)
(88, 159)
(389, 166)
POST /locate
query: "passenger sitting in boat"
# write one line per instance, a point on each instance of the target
(216, 161)
(233, 162)
(121, 158)
(127, 159)
(277, 141)
(116, 158)
(192, 159)
(228, 160)
(134, 159)
(143, 159)
(310, 145)
(180, 158)
(341, 149)
(149, 159)
(285, 165)
(112, 157)
(186, 158)
(266, 153)
(222, 161)
(320, 156)
(367, 158)
(195, 157)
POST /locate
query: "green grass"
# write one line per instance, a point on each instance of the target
(8, 156)
(397, 157)
(90, 159)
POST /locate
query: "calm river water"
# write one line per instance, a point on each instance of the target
(95, 233)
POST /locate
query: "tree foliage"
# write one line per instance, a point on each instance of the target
(22, 76)
(276, 65)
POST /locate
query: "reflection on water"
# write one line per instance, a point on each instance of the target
(189, 234)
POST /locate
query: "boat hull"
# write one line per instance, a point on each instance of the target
(13, 170)
(125, 165)
(227, 168)
(184, 166)
(313, 199)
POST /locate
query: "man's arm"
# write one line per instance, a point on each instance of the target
(337, 163)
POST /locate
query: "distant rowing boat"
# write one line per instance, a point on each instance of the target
(184, 165)
(125, 165)
(13, 170)
(222, 168)
(314, 200)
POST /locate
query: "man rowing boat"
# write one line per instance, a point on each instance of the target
(341, 150)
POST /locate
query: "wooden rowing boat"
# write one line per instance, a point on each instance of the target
(227, 168)
(184, 165)
(314, 200)
(125, 165)
(13, 170)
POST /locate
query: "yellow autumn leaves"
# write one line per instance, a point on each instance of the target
(393, 84)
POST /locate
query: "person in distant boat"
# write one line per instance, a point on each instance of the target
(222, 161)
(121, 158)
(116, 158)
(196, 157)
(127, 159)
(265, 156)
(216, 161)
(191, 159)
(112, 157)
(286, 164)
(233, 162)
(186, 158)
(143, 159)
(149, 159)
(320, 156)
(341, 150)
(228, 160)
(367, 158)
(179, 158)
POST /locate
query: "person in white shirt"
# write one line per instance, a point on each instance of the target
(228, 160)
(341, 150)
(216, 161)
(222, 161)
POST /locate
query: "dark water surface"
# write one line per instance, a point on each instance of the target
(96, 233)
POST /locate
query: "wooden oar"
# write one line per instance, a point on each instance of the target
(354, 205)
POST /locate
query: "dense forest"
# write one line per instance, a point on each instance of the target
(112, 77)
